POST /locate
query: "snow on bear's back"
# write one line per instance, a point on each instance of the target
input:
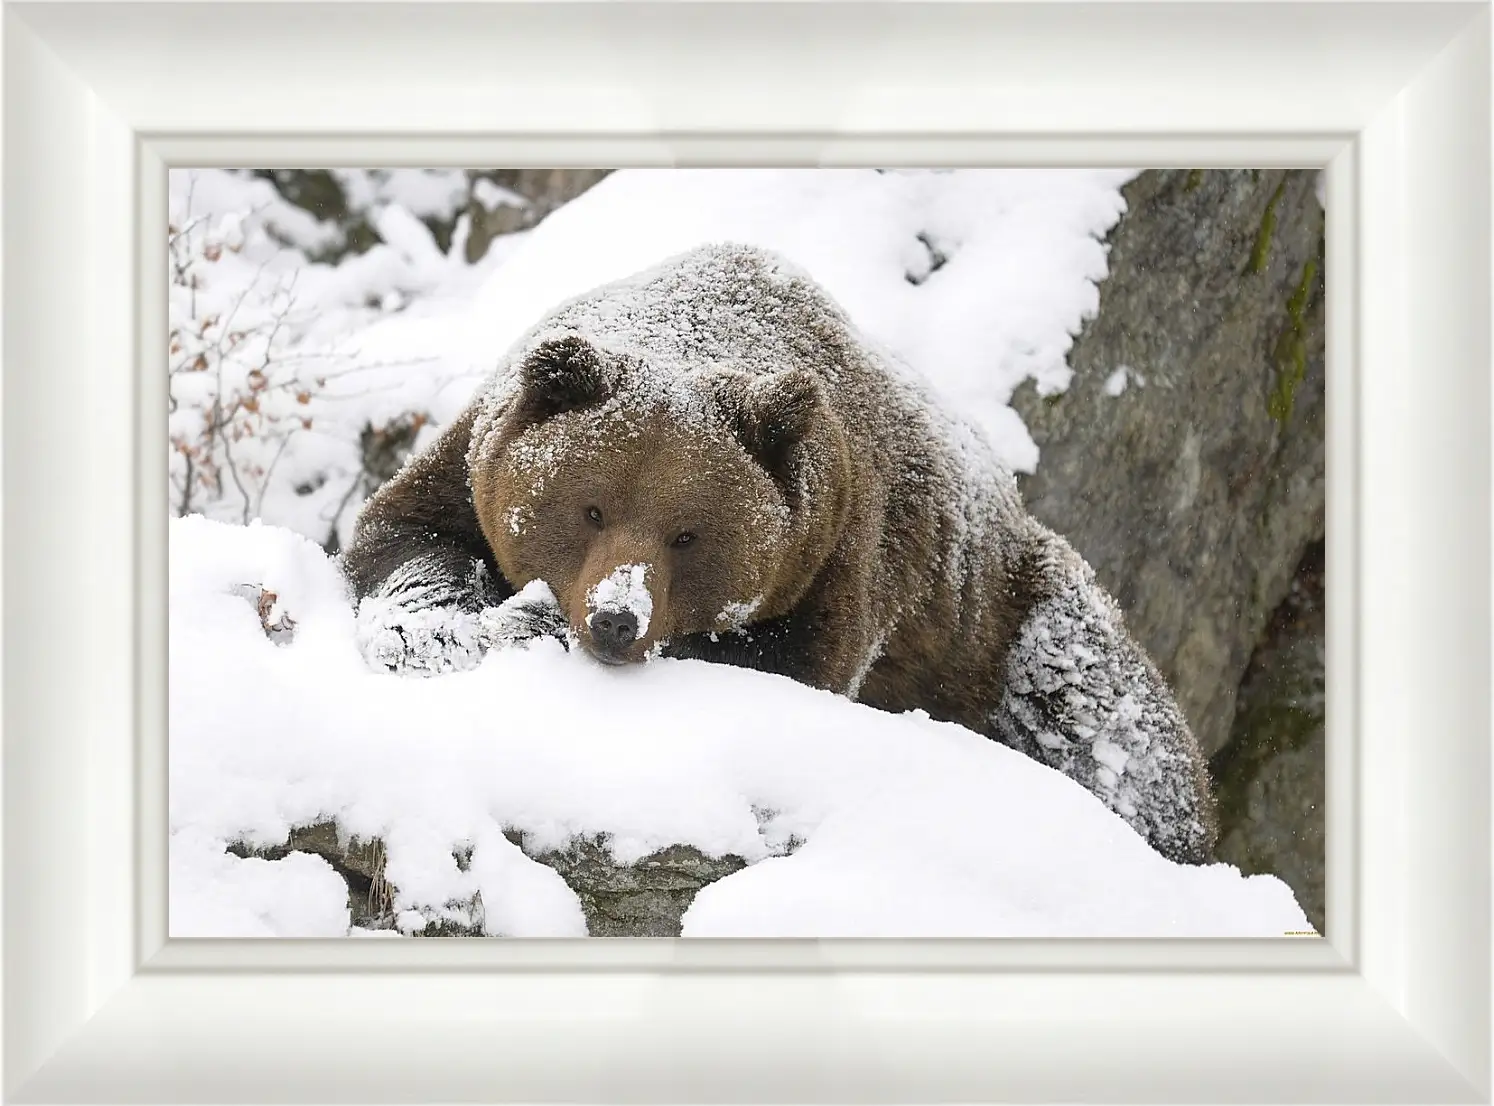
(721, 305)
(734, 306)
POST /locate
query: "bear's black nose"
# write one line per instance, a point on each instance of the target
(613, 630)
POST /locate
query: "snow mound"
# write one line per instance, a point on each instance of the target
(214, 894)
(910, 827)
(977, 278)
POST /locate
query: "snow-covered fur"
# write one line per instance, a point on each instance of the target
(845, 530)
(1082, 697)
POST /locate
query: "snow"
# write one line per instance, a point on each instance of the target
(421, 192)
(909, 827)
(863, 669)
(625, 588)
(214, 894)
(1117, 381)
(735, 615)
(493, 195)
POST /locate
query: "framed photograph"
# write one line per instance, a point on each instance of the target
(909, 550)
(474, 473)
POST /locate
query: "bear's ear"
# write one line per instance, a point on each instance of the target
(562, 374)
(778, 412)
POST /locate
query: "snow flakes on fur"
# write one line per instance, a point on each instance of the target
(1084, 699)
(399, 632)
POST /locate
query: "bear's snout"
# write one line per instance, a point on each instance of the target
(613, 630)
(618, 610)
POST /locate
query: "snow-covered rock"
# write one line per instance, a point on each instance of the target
(850, 821)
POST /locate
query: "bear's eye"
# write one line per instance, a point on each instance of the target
(595, 515)
(684, 539)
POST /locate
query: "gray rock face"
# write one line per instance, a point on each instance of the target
(1195, 490)
(542, 189)
(645, 899)
(1271, 773)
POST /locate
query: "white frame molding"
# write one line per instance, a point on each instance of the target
(1393, 98)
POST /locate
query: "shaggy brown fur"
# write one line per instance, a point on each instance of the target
(687, 497)
(841, 528)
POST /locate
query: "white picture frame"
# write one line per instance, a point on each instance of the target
(1393, 1003)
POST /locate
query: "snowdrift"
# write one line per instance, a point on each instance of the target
(854, 822)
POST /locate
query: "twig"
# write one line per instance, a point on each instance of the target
(264, 484)
(346, 496)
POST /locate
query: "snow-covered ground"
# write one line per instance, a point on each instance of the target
(978, 279)
(910, 827)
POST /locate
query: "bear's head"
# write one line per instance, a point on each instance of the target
(658, 503)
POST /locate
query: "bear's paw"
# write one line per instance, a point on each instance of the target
(533, 613)
(424, 641)
(430, 641)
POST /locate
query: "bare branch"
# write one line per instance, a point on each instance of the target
(264, 484)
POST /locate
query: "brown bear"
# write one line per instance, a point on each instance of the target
(709, 460)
